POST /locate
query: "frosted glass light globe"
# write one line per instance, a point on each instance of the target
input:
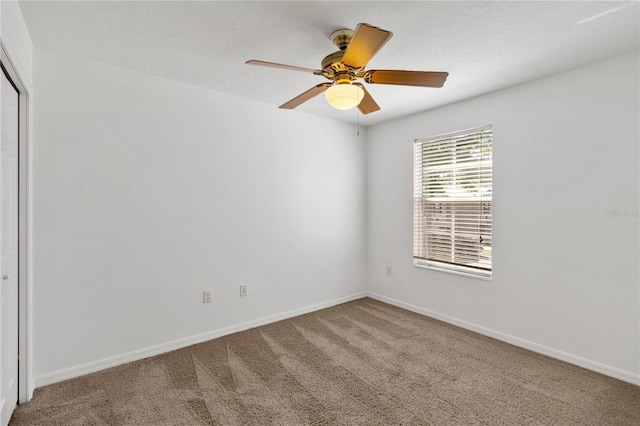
(344, 96)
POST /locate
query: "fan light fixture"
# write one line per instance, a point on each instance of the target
(344, 96)
(346, 70)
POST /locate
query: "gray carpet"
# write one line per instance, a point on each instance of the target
(360, 363)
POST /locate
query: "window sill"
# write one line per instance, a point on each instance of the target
(424, 265)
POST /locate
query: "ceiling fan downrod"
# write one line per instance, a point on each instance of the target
(341, 38)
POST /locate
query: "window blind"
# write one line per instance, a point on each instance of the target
(452, 213)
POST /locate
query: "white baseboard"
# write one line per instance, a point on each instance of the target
(607, 370)
(91, 367)
(80, 370)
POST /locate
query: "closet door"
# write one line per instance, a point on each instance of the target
(8, 249)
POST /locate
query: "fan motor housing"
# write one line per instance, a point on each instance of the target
(333, 62)
(332, 66)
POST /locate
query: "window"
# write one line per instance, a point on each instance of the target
(453, 176)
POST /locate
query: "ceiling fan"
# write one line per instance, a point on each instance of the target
(346, 67)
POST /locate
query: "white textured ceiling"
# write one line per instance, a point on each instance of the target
(483, 45)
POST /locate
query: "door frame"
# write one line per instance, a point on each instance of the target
(25, 315)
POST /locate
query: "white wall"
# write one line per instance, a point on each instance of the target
(16, 40)
(565, 277)
(149, 191)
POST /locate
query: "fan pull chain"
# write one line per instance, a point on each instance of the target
(358, 122)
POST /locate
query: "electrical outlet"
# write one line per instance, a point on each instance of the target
(206, 296)
(243, 290)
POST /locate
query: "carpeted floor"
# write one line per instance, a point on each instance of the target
(360, 363)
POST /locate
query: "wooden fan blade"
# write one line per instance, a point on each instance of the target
(304, 97)
(367, 105)
(282, 66)
(365, 43)
(406, 78)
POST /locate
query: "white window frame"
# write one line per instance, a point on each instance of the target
(441, 207)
